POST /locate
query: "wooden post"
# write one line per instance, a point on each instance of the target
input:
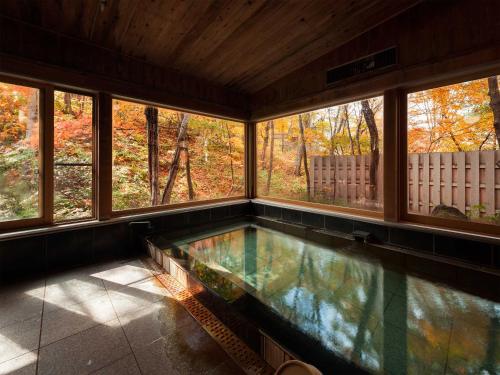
(47, 152)
(250, 159)
(104, 156)
(393, 158)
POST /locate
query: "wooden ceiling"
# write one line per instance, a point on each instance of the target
(244, 45)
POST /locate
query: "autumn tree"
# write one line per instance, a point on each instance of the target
(271, 157)
(374, 146)
(151, 114)
(495, 105)
(305, 118)
(174, 167)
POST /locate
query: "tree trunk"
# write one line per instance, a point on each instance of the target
(348, 128)
(307, 118)
(188, 175)
(374, 150)
(230, 151)
(67, 104)
(151, 114)
(264, 145)
(358, 133)
(298, 159)
(495, 105)
(271, 157)
(174, 167)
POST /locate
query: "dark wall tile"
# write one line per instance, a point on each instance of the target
(111, 241)
(70, 248)
(273, 211)
(496, 256)
(293, 216)
(220, 213)
(313, 220)
(240, 209)
(470, 251)
(199, 217)
(379, 232)
(174, 222)
(412, 239)
(339, 224)
(22, 257)
(259, 209)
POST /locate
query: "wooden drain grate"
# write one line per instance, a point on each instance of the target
(249, 361)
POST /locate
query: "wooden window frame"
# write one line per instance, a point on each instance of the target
(109, 212)
(427, 220)
(44, 147)
(323, 206)
(95, 103)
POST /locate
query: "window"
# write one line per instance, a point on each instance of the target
(453, 152)
(20, 177)
(331, 156)
(164, 157)
(73, 156)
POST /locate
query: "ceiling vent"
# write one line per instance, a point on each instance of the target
(375, 62)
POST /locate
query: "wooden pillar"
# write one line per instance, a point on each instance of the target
(47, 152)
(104, 156)
(250, 160)
(394, 160)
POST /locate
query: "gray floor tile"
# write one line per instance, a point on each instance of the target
(137, 296)
(22, 365)
(84, 352)
(72, 319)
(123, 274)
(19, 309)
(154, 359)
(19, 338)
(154, 322)
(124, 366)
(67, 291)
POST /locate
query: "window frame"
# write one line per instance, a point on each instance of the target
(92, 95)
(44, 174)
(166, 207)
(323, 206)
(427, 220)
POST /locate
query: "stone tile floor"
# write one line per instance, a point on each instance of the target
(111, 318)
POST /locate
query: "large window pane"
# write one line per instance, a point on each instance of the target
(73, 150)
(331, 156)
(453, 151)
(162, 156)
(19, 152)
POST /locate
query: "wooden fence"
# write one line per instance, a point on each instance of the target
(465, 180)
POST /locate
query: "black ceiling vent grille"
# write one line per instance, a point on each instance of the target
(377, 61)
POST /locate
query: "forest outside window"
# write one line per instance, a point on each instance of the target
(20, 161)
(73, 156)
(163, 157)
(453, 152)
(331, 156)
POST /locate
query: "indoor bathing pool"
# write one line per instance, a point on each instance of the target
(342, 306)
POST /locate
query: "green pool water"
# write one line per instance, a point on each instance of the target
(379, 319)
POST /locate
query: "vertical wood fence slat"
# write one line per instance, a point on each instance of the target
(414, 181)
(474, 178)
(461, 197)
(489, 181)
(425, 184)
(461, 179)
(436, 179)
(447, 178)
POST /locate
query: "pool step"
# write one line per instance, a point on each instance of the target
(175, 281)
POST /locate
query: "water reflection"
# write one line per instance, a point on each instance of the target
(384, 321)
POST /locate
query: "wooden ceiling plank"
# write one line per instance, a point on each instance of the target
(293, 37)
(316, 49)
(230, 19)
